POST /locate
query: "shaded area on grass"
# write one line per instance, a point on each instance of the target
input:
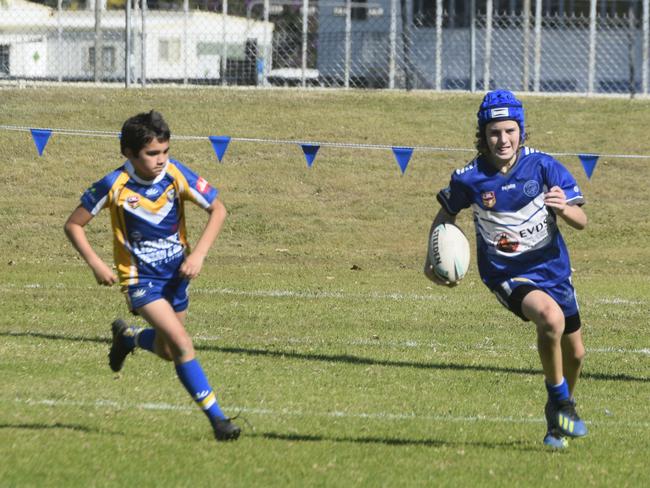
(346, 358)
(56, 425)
(519, 445)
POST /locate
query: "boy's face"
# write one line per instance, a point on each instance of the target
(151, 159)
(503, 138)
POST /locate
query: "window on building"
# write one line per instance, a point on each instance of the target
(108, 58)
(169, 50)
(4, 59)
(359, 11)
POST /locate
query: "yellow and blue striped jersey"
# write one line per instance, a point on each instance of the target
(148, 217)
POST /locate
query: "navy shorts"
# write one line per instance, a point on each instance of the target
(174, 291)
(511, 294)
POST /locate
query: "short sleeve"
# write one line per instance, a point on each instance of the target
(454, 198)
(97, 197)
(197, 189)
(557, 175)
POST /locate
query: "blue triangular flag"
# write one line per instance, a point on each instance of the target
(310, 151)
(220, 144)
(588, 163)
(41, 136)
(403, 156)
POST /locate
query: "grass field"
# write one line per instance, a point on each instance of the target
(312, 316)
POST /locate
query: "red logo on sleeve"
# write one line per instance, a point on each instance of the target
(202, 185)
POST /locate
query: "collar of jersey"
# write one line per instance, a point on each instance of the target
(128, 166)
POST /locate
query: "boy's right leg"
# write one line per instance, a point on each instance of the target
(125, 339)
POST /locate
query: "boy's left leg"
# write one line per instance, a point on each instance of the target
(169, 325)
(560, 412)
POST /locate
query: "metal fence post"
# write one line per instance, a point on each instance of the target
(348, 42)
(305, 29)
(224, 46)
(143, 44)
(645, 46)
(488, 46)
(526, 78)
(59, 38)
(438, 44)
(393, 44)
(186, 13)
(472, 46)
(592, 47)
(98, 42)
(127, 44)
(538, 45)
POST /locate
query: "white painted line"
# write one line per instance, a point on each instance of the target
(110, 404)
(303, 294)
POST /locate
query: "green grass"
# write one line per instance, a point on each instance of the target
(312, 316)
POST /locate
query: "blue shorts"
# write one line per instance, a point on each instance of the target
(173, 290)
(512, 292)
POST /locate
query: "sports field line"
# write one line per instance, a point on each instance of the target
(113, 405)
(410, 344)
(302, 294)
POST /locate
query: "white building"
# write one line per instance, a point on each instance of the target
(38, 42)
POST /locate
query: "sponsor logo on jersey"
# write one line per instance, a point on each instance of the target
(202, 185)
(489, 199)
(151, 192)
(133, 201)
(506, 243)
(533, 229)
(511, 186)
(171, 194)
(531, 188)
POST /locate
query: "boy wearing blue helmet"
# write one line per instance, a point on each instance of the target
(516, 195)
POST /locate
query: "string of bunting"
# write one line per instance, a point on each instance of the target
(402, 154)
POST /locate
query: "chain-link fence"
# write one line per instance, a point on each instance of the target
(586, 46)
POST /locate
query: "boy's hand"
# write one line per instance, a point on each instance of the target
(429, 273)
(556, 199)
(191, 267)
(103, 274)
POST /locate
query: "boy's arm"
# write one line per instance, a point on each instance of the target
(193, 263)
(74, 229)
(571, 214)
(441, 217)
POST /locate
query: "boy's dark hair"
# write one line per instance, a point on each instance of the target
(141, 129)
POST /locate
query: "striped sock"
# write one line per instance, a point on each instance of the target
(195, 382)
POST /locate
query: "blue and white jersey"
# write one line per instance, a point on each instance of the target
(516, 234)
(148, 218)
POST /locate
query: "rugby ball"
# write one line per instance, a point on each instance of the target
(449, 252)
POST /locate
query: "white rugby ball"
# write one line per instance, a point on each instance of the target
(449, 252)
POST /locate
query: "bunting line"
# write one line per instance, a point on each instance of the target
(97, 133)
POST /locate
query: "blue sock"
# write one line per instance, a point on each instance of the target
(193, 378)
(138, 337)
(145, 339)
(558, 393)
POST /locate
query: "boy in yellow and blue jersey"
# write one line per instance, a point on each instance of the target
(146, 198)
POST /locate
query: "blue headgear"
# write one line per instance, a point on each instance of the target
(501, 105)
